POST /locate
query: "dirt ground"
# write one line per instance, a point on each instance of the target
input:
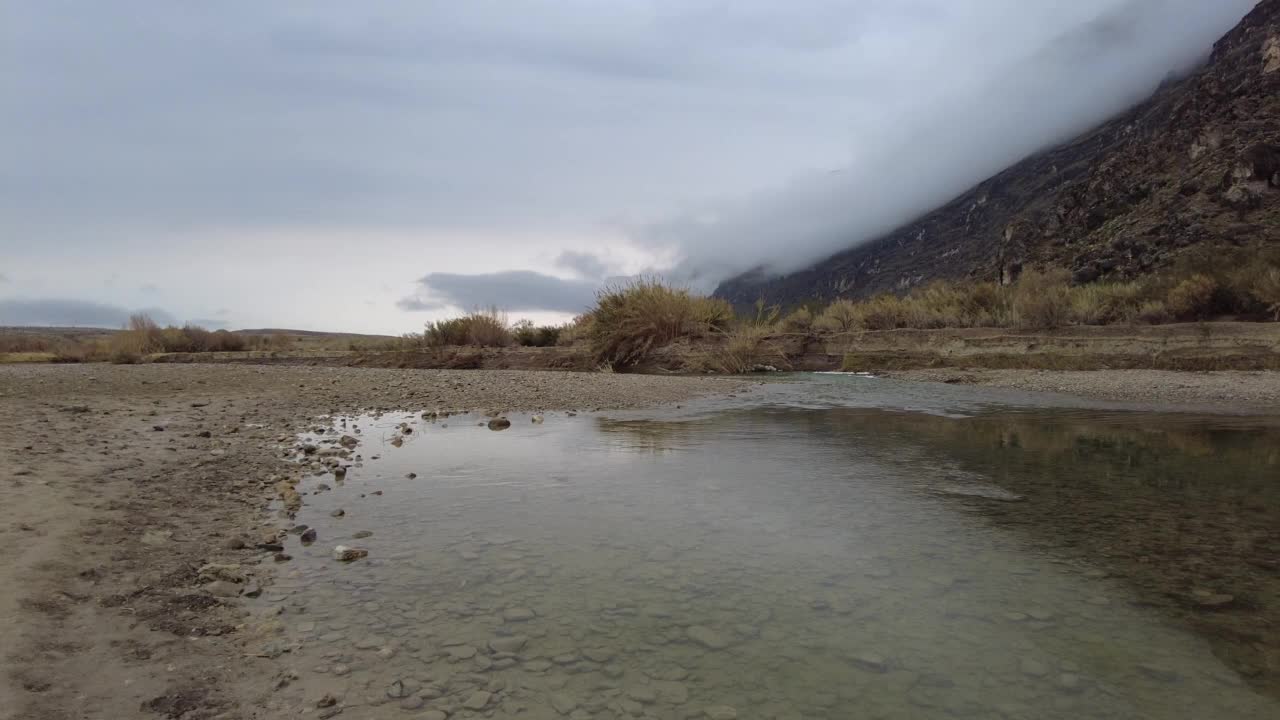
(122, 482)
(1225, 391)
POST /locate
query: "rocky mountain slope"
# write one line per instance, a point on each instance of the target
(1196, 166)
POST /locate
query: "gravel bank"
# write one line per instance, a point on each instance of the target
(1227, 391)
(121, 482)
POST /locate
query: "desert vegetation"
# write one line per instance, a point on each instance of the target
(140, 338)
(633, 322)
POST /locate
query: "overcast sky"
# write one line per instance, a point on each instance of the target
(368, 166)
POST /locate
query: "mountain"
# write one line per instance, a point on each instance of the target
(1195, 166)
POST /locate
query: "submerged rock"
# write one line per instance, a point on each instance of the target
(707, 637)
(347, 554)
(517, 614)
(499, 423)
(478, 700)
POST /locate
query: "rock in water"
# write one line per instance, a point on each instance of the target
(499, 423)
(707, 637)
(347, 554)
(477, 701)
(517, 614)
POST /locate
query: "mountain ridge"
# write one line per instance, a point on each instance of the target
(1196, 165)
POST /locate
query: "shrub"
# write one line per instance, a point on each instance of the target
(1152, 312)
(840, 316)
(486, 328)
(744, 350)
(766, 315)
(443, 333)
(799, 320)
(1265, 288)
(226, 341)
(1192, 298)
(630, 320)
(530, 335)
(126, 347)
(575, 331)
(1107, 303)
(1041, 299)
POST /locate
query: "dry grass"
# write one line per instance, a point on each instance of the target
(1266, 290)
(631, 320)
(746, 348)
(1041, 300)
(1046, 299)
(485, 327)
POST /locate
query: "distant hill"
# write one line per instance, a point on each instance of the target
(1195, 167)
(310, 333)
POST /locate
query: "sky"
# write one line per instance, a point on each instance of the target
(367, 167)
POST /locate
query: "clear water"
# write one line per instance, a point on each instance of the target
(831, 547)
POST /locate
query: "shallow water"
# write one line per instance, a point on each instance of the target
(825, 548)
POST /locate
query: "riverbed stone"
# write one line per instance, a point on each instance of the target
(509, 643)
(477, 700)
(518, 614)
(1033, 668)
(563, 704)
(707, 637)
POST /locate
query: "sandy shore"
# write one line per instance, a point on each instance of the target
(1227, 391)
(122, 482)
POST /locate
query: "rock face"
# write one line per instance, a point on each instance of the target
(1193, 169)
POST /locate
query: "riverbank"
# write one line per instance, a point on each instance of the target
(1225, 391)
(124, 482)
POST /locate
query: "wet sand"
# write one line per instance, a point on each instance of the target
(121, 483)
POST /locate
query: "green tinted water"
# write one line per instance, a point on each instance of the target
(794, 555)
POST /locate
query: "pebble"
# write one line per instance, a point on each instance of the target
(434, 715)
(222, 588)
(347, 554)
(721, 712)
(563, 704)
(499, 423)
(478, 700)
(707, 637)
(461, 652)
(518, 614)
(870, 661)
(508, 644)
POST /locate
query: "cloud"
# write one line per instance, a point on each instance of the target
(585, 265)
(71, 313)
(944, 142)
(517, 291)
(210, 323)
(713, 135)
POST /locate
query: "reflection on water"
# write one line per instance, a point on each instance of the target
(783, 562)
